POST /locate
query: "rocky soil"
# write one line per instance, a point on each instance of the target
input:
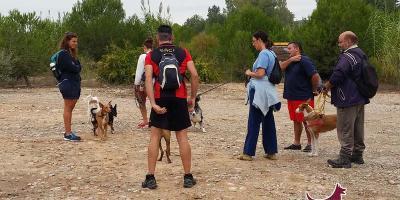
(35, 162)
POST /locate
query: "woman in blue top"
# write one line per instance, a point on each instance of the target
(70, 84)
(263, 98)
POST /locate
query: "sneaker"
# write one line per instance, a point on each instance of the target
(188, 181)
(271, 156)
(150, 182)
(72, 137)
(245, 157)
(293, 147)
(307, 148)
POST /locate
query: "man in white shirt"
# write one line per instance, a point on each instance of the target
(140, 92)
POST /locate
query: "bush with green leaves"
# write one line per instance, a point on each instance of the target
(7, 61)
(385, 29)
(118, 66)
(207, 71)
(29, 40)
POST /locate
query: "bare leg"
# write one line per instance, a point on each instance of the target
(143, 111)
(184, 150)
(153, 149)
(69, 105)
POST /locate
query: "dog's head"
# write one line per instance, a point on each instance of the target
(304, 107)
(113, 109)
(105, 108)
(196, 114)
(92, 100)
(308, 111)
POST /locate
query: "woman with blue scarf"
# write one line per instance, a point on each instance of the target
(263, 98)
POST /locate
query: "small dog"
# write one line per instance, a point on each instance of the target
(316, 123)
(93, 108)
(102, 119)
(111, 116)
(166, 134)
(197, 115)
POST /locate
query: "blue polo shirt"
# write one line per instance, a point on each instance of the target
(298, 75)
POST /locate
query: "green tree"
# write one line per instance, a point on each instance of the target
(319, 34)
(386, 5)
(98, 24)
(192, 26)
(25, 39)
(272, 8)
(214, 15)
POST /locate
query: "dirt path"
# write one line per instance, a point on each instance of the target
(36, 163)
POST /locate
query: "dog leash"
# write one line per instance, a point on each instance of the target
(213, 88)
(320, 104)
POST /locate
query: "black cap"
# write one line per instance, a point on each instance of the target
(164, 29)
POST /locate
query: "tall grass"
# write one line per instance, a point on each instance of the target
(385, 29)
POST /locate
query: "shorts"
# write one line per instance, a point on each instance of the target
(175, 119)
(293, 105)
(69, 89)
(140, 95)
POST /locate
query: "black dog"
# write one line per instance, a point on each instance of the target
(111, 116)
(197, 115)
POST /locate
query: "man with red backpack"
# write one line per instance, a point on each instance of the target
(168, 97)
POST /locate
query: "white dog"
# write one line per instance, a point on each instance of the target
(93, 108)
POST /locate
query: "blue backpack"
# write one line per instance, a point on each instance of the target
(54, 65)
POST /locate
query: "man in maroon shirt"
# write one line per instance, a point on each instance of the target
(169, 106)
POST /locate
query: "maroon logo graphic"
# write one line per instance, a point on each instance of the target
(336, 194)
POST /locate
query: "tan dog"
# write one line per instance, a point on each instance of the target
(166, 134)
(102, 119)
(316, 123)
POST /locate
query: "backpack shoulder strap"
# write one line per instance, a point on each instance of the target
(350, 58)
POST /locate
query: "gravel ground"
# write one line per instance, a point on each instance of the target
(37, 164)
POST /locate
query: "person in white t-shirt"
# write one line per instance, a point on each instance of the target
(140, 92)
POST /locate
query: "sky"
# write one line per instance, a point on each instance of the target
(180, 9)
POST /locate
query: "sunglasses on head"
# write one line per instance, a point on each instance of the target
(70, 34)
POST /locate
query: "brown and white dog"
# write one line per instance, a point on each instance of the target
(102, 119)
(166, 134)
(316, 123)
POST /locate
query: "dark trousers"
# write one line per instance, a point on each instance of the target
(350, 130)
(256, 118)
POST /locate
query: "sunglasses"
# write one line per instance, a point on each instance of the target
(70, 34)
